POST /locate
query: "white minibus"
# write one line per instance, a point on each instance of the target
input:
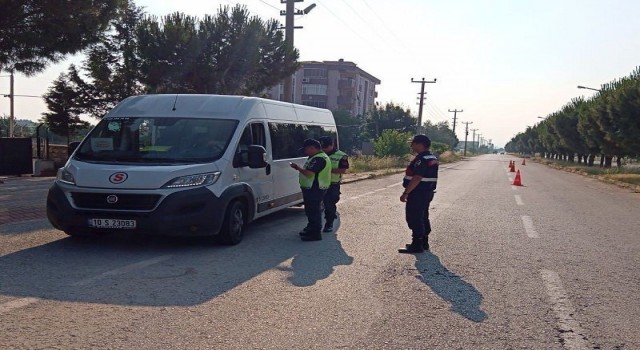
(185, 165)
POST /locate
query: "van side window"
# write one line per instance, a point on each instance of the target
(287, 138)
(253, 134)
(258, 134)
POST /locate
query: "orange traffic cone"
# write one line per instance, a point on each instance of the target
(513, 167)
(523, 161)
(518, 180)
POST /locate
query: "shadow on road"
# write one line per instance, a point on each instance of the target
(113, 269)
(317, 260)
(464, 298)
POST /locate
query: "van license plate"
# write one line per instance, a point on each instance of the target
(112, 223)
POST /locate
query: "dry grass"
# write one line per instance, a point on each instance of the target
(623, 177)
(359, 164)
(633, 179)
(449, 157)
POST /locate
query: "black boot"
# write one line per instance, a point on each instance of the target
(416, 246)
(425, 244)
(328, 227)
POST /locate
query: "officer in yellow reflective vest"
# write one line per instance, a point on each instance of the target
(339, 166)
(315, 178)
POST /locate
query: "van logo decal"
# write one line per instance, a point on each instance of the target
(118, 178)
(112, 199)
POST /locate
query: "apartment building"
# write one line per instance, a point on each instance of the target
(336, 85)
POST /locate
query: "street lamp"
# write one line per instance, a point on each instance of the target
(585, 87)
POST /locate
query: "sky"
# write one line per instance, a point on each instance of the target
(503, 62)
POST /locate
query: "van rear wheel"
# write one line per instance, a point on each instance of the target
(233, 226)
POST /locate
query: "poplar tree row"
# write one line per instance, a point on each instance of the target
(606, 125)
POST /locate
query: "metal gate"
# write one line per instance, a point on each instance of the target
(16, 156)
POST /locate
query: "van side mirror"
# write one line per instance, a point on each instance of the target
(72, 147)
(257, 157)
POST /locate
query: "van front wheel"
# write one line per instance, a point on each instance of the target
(233, 226)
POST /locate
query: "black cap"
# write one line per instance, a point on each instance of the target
(326, 141)
(311, 142)
(423, 139)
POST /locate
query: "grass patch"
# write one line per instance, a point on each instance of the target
(629, 176)
(633, 179)
(449, 157)
(391, 165)
(358, 164)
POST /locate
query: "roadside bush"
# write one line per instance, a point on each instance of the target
(392, 143)
(439, 147)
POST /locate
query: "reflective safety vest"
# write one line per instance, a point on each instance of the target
(335, 162)
(324, 176)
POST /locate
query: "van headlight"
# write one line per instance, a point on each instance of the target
(193, 180)
(65, 176)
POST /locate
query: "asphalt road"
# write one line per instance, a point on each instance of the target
(554, 264)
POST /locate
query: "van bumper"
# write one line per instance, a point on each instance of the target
(192, 212)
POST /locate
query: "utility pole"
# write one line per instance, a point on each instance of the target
(466, 133)
(421, 100)
(455, 112)
(473, 140)
(12, 117)
(289, 14)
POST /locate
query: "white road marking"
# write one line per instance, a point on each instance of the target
(519, 200)
(394, 185)
(18, 303)
(570, 330)
(122, 270)
(515, 188)
(528, 227)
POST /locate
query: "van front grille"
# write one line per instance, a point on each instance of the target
(115, 201)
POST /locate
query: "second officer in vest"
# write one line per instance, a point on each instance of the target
(339, 166)
(315, 178)
(419, 184)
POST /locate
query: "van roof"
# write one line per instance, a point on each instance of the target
(218, 106)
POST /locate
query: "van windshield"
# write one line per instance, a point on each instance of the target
(157, 140)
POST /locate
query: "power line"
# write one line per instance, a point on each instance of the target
(268, 4)
(346, 24)
(387, 28)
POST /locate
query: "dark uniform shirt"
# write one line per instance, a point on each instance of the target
(425, 165)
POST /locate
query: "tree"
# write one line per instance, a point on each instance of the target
(34, 33)
(112, 65)
(440, 132)
(229, 53)
(63, 117)
(391, 117)
(392, 143)
(350, 130)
